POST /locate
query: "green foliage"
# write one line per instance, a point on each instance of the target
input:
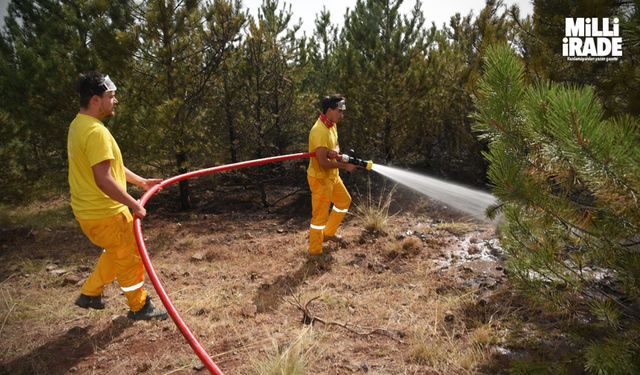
(568, 179)
(268, 73)
(381, 60)
(203, 83)
(43, 47)
(612, 357)
(182, 45)
(614, 82)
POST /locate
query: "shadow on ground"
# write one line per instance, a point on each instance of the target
(270, 296)
(60, 355)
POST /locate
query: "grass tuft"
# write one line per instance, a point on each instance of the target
(290, 360)
(374, 214)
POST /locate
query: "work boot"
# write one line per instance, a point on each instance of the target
(337, 239)
(148, 312)
(89, 302)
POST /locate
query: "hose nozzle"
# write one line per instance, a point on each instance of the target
(366, 164)
(369, 165)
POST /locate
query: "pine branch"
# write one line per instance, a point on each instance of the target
(631, 312)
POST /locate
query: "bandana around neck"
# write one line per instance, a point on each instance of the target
(325, 120)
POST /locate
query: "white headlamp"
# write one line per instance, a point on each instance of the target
(341, 105)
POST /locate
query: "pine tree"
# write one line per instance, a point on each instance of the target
(454, 60)
(319, 56)
(182, 45)
(274, 109)
(269, 71)
(43, 47)
(568, 180)
(380, 61)
(615, 82)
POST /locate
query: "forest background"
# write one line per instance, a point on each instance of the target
(204, 83)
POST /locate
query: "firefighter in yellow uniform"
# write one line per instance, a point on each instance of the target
(323, 177)
(100, 202)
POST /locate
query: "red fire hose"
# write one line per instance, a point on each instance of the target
(195, 344)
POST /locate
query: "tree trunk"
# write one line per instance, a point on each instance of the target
(185, 194)
(387, 140)
(263, 195)
(233, 141)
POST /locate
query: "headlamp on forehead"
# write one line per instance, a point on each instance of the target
(341, 105)
(106, 85)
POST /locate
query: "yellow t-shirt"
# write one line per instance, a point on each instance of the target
(89, 143)
(321, 136)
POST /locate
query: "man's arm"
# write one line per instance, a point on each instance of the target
(145, 183)
(106, 183)
(324, 161)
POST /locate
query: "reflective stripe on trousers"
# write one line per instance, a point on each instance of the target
(120, 258)
(323, 193)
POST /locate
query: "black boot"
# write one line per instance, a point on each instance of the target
(89, 302)
(148, 312)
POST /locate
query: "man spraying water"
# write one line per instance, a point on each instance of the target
(323, 177)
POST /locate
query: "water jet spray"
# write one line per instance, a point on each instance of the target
(468, 200)
(465, 199)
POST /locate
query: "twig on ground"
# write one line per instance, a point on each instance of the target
(272, 204)
(8, 278)
(309, 318)
(7, 317)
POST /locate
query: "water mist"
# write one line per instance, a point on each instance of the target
(467, 200)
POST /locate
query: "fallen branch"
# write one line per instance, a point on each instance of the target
(309, 318)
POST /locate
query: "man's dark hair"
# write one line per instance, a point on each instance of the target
(89, 84)
(330, 101)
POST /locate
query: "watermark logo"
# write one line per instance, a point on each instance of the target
(592, 39)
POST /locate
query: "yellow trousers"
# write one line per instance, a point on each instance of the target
(323, 193)
(119, 260)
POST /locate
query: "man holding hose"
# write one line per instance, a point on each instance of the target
(100, 202)
(323, 177)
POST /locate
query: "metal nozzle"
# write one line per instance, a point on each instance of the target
(367, 164)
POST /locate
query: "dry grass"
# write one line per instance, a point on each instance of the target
(373, 214)
(162, 241)
(457, 228)
(291, 359)
(445, 345)
(407, 247)
(398, 320)
(54, 213)
(410, 245)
